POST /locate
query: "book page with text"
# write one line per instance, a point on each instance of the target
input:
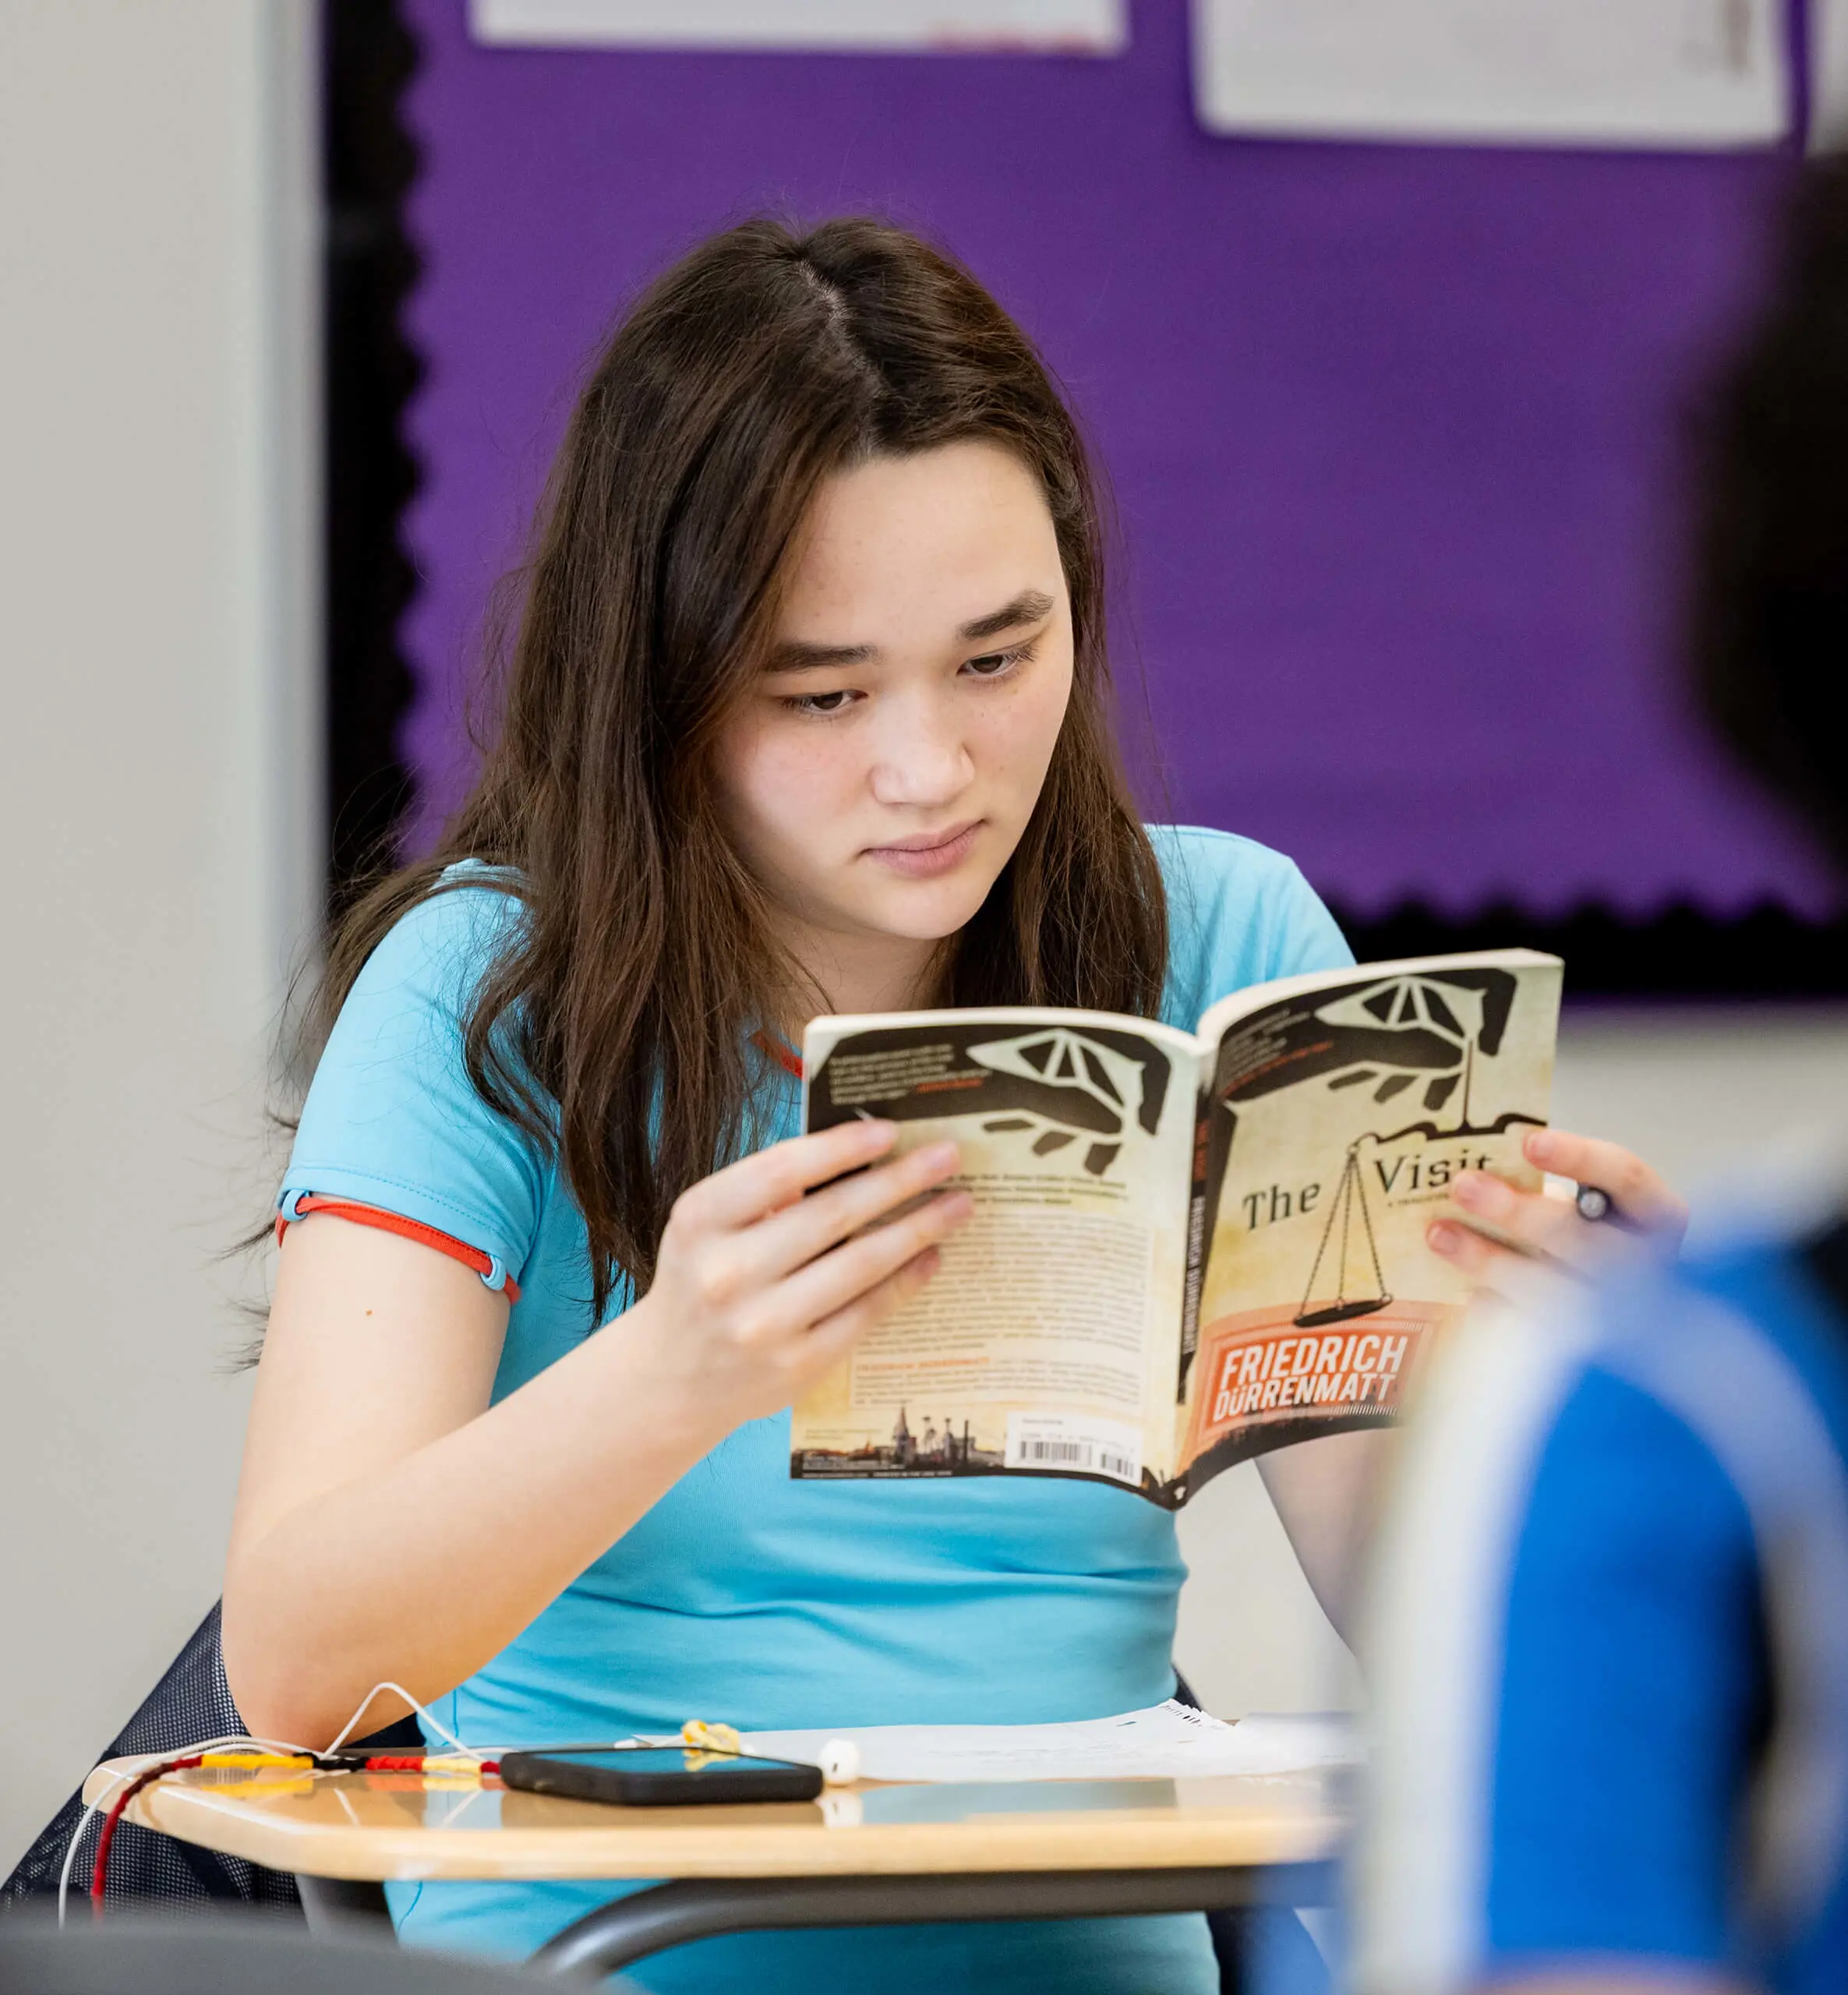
(1047, 1341)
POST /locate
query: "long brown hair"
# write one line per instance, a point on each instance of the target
(613, 1022)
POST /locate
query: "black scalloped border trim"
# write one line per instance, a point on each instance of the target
(369, 163)
(1683, 952)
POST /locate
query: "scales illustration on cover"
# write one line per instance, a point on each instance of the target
(1430, 1007)
(1350, 1205)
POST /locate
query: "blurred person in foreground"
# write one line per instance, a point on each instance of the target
(1610, 1642)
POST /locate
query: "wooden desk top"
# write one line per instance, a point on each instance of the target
(401, 1825)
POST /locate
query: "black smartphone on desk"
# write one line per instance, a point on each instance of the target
(659, 1776)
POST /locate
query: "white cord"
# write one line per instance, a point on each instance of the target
(70, 1854)
(229, 1742)
(422, 1711)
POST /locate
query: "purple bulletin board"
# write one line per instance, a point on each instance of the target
(1394, 431)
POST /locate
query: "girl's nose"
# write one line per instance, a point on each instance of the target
(921, 761)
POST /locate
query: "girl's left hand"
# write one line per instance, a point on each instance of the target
(1551, 1229)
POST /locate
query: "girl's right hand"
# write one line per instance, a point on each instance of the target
(760, 1289)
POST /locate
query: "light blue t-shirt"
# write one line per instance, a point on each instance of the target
(743, 1595)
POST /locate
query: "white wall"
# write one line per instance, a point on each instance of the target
(1692, 1091)
(158, 677)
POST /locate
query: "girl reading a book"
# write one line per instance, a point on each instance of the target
(807, 709)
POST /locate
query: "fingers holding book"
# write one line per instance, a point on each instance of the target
(1639, 1197)
(1503, 1227)
(772, 1180)
(836, 1211)
(760, 1287)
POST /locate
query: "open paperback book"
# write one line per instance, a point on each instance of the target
(1187, 1248)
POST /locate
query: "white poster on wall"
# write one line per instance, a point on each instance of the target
(1082, 27)
(1668, 73)
(1829, 75)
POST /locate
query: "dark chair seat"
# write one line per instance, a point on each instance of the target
(234, 1955)
(192, 1702)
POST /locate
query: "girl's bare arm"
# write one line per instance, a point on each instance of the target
(392, 1525)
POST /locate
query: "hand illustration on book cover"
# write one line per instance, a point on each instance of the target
(1391, 1030)
(1088, 1086)
(1045, 1089)
(1186, 1247)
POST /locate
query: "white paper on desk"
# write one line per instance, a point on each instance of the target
(1167, 1741)
(1676, 73)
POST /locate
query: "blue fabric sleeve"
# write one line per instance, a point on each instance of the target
(1631, 1685)
(392, 1119)
(1238, 914)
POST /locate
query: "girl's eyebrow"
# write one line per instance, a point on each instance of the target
(1028, 607)
(797, 655)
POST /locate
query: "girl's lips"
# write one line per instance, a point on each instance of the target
(927, 862)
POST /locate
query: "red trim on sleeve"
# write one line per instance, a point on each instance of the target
(472, 1257)
(781, 1051)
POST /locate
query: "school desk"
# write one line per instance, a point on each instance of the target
(872, 1855)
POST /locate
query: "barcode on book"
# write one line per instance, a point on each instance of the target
(1074, 1442)
(1076, 1454)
